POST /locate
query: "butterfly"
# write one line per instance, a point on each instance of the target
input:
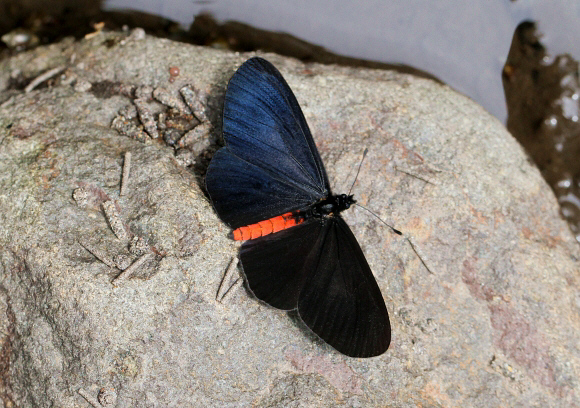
(269, 185)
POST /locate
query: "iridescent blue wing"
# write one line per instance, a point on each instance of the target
(270, 164)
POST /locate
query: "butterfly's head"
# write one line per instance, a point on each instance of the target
(343, 202)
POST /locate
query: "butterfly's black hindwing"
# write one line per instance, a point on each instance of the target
(319, 268)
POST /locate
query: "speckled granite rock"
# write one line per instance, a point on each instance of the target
(493, 322)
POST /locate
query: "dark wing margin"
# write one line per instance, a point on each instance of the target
(263, 127)
(341, 301)
(277, 265)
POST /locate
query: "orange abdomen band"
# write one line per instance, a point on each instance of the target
(266, 227)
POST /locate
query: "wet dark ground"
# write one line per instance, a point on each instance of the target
(542, 92)
(542, 96)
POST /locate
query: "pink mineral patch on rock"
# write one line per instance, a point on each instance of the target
(340, 375)
(519, 339)
(469, 277)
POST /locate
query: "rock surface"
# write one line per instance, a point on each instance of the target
(493, 321)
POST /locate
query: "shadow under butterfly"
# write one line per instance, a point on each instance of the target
(269, 185)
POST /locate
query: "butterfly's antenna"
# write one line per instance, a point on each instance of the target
(396, 231)
(358, 171)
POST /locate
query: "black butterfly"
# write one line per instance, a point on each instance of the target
(269, 184)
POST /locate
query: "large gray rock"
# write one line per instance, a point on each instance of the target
(493, 321)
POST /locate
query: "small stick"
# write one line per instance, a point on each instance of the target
(223, 291)
(126, 127)
(146, 118)
(41, 78)
(415, 249)
(415, 176)
(131, 269)
(168, 99)
(194, 135)
(193, 98)
(89, 399)
(114, 220)
(98, 254)
(126, 172)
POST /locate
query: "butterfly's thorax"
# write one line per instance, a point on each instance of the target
(331, 205)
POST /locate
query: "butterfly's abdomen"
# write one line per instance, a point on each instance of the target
(266, 227)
